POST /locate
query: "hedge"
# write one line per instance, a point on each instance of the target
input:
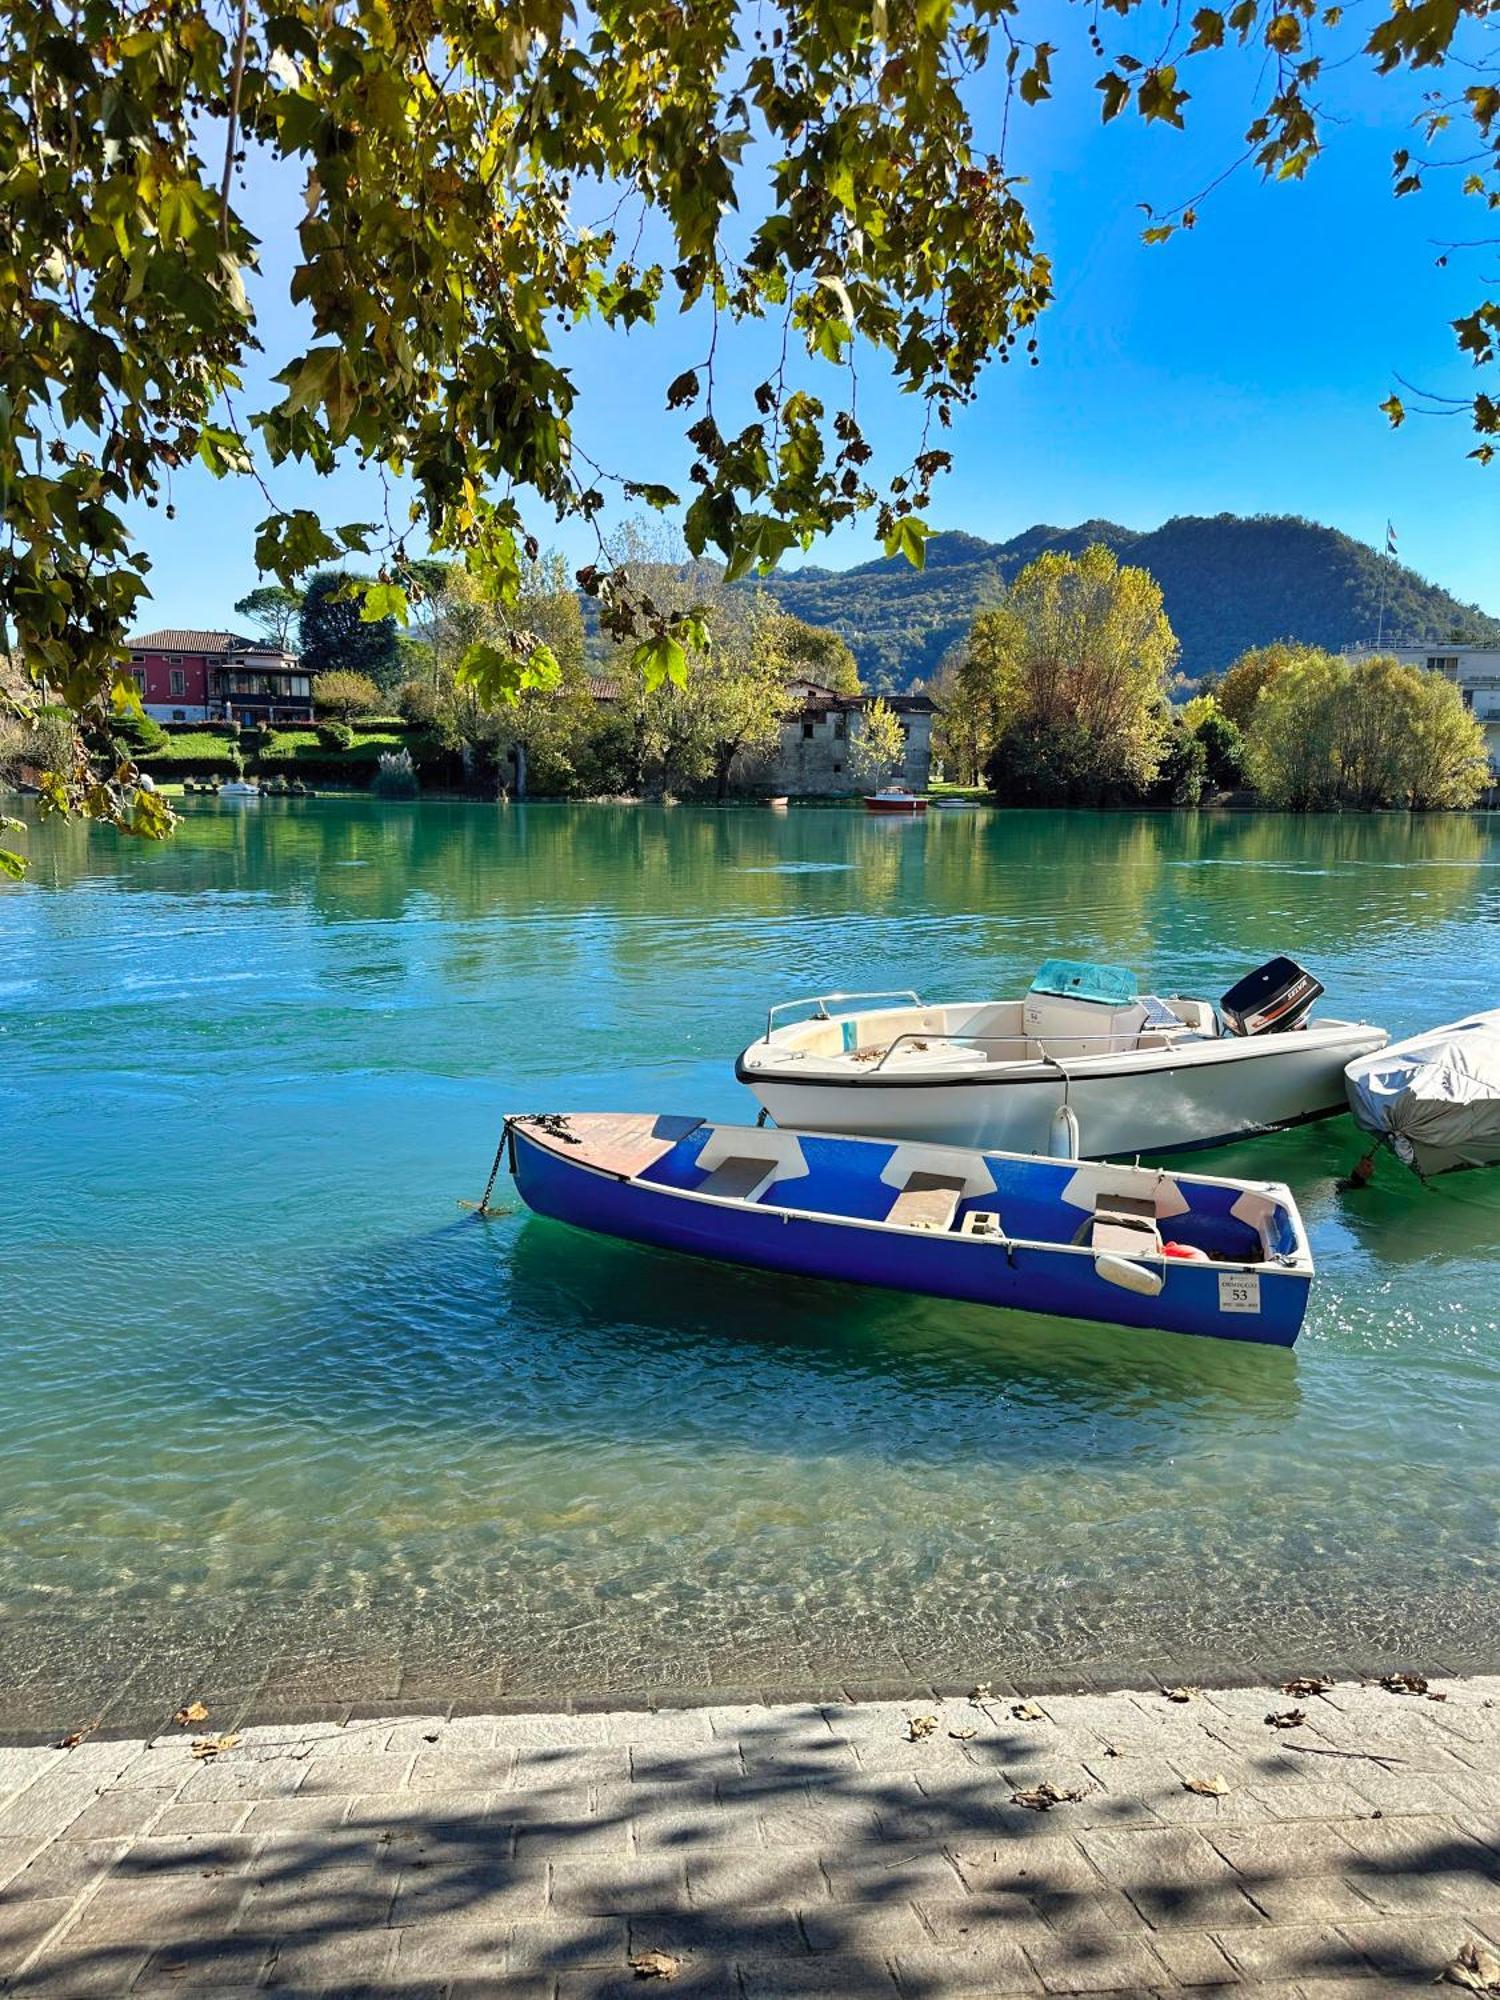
(296, 753)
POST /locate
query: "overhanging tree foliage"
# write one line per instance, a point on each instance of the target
(475, 181)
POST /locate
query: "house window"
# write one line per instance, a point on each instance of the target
(139, 678)
(179, 681)
(179, 715)
(174, 659)
(1443, 663)
(837, 770)
(807, 732)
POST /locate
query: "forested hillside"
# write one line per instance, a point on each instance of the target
(1228, 581)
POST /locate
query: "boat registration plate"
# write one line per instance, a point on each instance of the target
(1239, 1292)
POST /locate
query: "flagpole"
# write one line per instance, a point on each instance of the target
(1385, 570)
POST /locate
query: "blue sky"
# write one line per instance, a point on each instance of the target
(1237, 368)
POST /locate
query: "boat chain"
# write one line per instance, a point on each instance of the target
(482, 1206)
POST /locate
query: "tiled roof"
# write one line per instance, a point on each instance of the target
(603, 687)
(174, 641)
(853, 704)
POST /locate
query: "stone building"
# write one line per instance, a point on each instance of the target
(813, 758)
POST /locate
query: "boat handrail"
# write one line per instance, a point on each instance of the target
(821, 1002)
(1126, 1042)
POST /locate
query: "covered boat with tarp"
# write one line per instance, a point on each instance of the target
(1434, 1099)
(1128, 1245)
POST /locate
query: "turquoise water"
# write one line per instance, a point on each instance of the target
(277, 1413)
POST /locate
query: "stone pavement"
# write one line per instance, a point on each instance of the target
(770, 1851)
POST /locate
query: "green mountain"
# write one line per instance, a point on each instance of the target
(1228, 582)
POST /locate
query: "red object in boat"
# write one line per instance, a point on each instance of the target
(1188, 1252)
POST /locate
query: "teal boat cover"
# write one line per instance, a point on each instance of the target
(1112, 985)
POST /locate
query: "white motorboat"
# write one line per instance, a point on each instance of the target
(1084, 1066)
(1435, 1099)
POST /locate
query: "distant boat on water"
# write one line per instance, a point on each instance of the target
(895, 799)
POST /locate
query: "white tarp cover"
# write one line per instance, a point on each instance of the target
(1436, 1097)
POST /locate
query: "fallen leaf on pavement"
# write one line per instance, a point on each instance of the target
(194, 1712)
(1181, 1694)
(72, 1742)
(1027, 1711)
(1216, 1787)
(963, 1735)
(1287, 1718)
(213, 1746)
(1306, 1684)
(918, 1726)
(1403, 1683)
(981, 1692)
(654, 1965)
(1111, 1751)
(1476, 1967)
(1046, 1795)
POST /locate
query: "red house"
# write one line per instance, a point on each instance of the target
(187, 676)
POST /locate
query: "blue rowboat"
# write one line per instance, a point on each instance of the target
(1132, 1246)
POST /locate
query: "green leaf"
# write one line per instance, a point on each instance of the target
(542, 669)
(1116, 94)
(383, 600)
(659, 497)
(661, 659)
(495, 673)
(12, 864)
(909, 538)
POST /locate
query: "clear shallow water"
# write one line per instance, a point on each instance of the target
(275, 1412)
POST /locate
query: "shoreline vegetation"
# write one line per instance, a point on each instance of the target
(1064, 693)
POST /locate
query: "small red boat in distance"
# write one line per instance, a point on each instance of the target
(895, 799)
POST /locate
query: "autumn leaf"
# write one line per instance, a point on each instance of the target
(1403, 1683)
(1181, 1693)
(654, 1965)
(1286, 1718)
(1306, 1684)
(1476, 1967)
(1216, 1787)
(1027, 1711)
(1046, 1795)
(963, 1735)
(194, 1712)
(918, 1726)
(213, 1746)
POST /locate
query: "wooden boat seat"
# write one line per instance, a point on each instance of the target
(1125, 1226)
(927, 1201)
(739, 1177)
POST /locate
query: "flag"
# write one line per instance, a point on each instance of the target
(1390, 538)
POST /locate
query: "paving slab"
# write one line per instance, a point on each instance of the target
(771, 1850)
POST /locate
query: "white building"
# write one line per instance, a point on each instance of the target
(1474, 671)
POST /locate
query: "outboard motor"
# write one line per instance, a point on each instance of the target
(1276, 996)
